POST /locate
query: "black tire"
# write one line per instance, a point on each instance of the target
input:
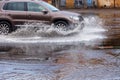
(61, 25)
(5, 28)
(82, 26)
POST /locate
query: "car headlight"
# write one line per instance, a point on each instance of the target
(75, 18)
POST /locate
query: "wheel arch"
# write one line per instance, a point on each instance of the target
(61, 19)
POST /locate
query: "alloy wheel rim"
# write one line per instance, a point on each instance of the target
(61, 27)
(4, 28)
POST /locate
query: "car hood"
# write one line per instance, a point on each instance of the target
(67, 13)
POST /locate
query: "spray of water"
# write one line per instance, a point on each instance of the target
(46, 39)
(38, 32)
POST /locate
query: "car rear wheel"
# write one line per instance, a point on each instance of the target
(61, 25)
(4, 28)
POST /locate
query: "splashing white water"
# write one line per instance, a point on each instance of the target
(92, 30)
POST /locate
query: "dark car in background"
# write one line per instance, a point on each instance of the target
(18, 12)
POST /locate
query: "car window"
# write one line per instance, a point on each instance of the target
(15, 6)
(49, 6)
(34, 7)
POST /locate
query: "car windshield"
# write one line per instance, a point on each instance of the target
(50, 7)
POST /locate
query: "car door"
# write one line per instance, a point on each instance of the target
(35, 13)
(16, 12)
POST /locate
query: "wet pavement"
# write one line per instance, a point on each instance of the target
(90, 54)
(112, 22)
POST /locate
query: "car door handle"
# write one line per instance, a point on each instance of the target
(29, 16)
(9, 14)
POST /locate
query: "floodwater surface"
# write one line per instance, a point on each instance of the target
(27, 54)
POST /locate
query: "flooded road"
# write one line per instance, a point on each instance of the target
(112, 23)
(90, 54)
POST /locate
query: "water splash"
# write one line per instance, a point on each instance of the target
(30, 34)
(45, 43)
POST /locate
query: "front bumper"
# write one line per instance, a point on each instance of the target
(79, 23)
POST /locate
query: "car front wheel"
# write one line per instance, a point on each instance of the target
(61, 25)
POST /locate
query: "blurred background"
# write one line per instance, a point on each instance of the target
(85, 3)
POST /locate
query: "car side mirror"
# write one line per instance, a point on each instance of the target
(45, 11)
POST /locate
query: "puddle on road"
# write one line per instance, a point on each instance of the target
(112, 23)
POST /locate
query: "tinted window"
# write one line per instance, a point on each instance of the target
(34, 7)
(16, 6)
(50, 7)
